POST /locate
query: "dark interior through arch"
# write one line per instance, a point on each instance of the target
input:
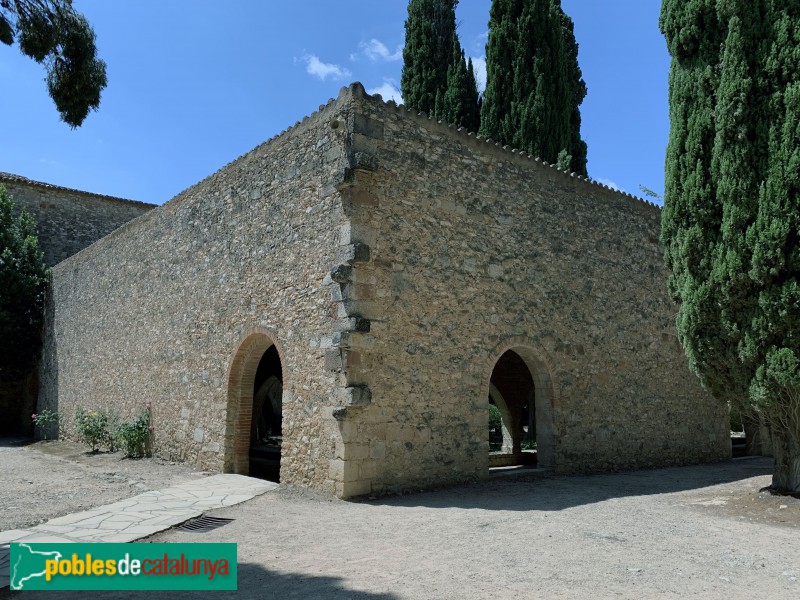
(266, 433)
(512, 426)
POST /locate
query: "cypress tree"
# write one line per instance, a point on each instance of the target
(576, 149)
(460, 104)
(500, 50)
(771, 336)
(428, 52)
(730, 222)
(534, 85)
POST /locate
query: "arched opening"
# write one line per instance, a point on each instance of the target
(254, 428)
(521, 390)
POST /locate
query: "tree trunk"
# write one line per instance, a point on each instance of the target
(786, 450)
(757, 436)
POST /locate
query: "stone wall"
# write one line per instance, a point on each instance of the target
(391, 261)
(69, 220)
(475, 250)
(178, 306)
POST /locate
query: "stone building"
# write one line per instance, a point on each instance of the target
(350, 295)
(67, 222)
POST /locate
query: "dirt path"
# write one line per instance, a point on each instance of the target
(700, 532)
(44, 480)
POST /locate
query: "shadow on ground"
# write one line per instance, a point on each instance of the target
(15, 442)
(555, 493)
(254, 582)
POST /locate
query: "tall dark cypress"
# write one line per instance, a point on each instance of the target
(534, 86)
(460, 104)
(771, 335)
(500, 50)
(731, 218)
(576, 149)
(691, 217)
(428, 51)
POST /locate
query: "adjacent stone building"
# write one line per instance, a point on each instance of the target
(67, 221)
(352, 292)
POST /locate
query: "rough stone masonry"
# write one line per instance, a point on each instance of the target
(69, 220)
(391, 261)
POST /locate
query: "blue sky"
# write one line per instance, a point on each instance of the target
(195, 83)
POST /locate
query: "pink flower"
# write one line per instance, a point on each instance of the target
(148, 404)
(150, 427)
(33, 416)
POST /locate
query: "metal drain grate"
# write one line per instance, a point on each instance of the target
(203, 524)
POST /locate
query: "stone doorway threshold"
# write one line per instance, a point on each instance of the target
(518, 471)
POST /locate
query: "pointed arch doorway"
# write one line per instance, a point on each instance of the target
(521, 424)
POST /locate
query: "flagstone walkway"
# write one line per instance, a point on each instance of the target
(137, 517)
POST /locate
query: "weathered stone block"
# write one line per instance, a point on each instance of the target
(368, 126)
(352, 253)
(353, 489)
(352, 324)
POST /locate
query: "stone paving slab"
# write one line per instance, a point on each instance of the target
(139, 516)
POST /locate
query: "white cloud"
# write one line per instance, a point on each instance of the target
(388, 91)
(478, 43)
(376, 50)
(50, 162)
(479, 64)
(321, 70)
(609, 183)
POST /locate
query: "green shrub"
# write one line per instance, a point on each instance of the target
(495, 421)
(495, 429)
(44, 420)
(133, 437)
(94, 429)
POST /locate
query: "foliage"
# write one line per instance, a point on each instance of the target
(45, 419)
(23, 282)
(134, 437)
(577, 92)
(563, 161)
(650, 193)
(495, 420)
(52, 33)
(460, 104)
(428, 51)
(736, 421)
(94, 429)
(731, 218)
(437, 78)
(534, 84)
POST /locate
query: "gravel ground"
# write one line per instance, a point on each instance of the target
(49, 479)
(701, 532)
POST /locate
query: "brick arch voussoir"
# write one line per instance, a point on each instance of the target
(241, 378)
